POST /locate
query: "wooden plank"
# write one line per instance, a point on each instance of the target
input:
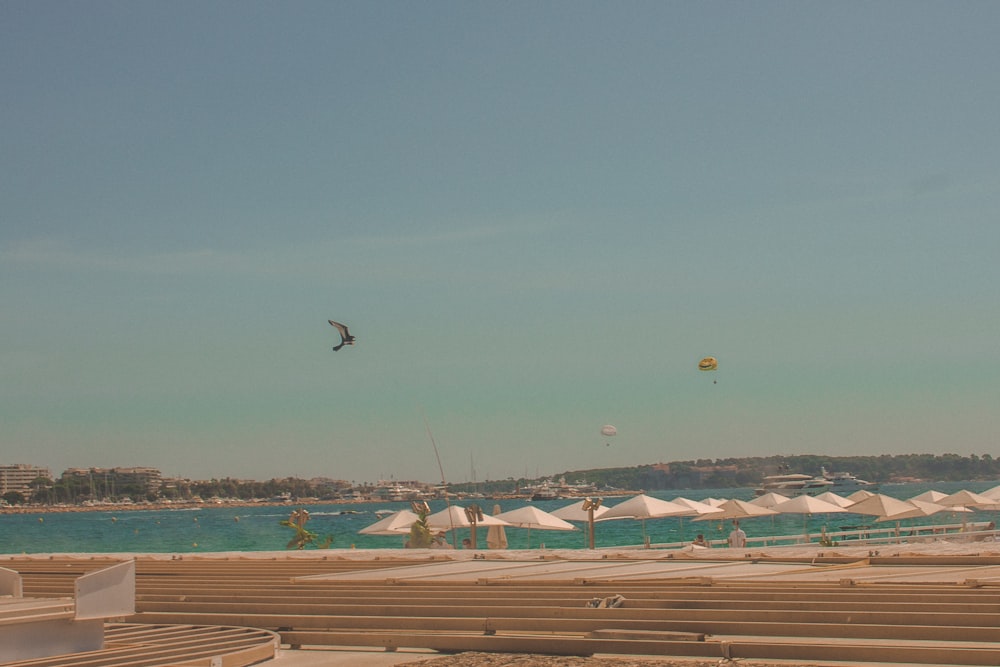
(449, 642)
(730, 626)
(842, 616)
(734, 650)
(932, 604)
(647, 634)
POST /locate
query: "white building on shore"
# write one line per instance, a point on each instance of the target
(18, 477)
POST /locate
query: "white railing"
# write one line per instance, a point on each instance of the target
(858, 535)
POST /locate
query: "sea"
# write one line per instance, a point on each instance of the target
(222, 528)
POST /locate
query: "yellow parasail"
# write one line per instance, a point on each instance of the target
(708, 364)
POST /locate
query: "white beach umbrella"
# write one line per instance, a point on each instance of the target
(993, 493)
(454, 516)
(970, 500)
(965, 498)
(736, 509)
(769, 499)
(806, 505)
(931, 496)
(587, 510)
(831, 497)
(575, 512)
(644, 507)
(496, 536)
(530, 517)
(698, 506)
(878, 504)
(397, 523)
(921, 508)
(860, 495)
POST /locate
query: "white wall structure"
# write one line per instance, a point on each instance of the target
(45, 627)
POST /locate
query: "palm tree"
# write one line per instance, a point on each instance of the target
(420, 533)
(303, 537)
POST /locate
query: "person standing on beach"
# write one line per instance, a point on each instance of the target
(737, 538)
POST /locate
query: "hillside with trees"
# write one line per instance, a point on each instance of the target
(744, 472)
(740, 472)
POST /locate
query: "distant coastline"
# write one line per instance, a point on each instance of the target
(160, 506)
(192, 504)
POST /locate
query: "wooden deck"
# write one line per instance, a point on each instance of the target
(846, 619)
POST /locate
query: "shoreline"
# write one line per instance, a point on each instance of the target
(190, 504)
(152, 507)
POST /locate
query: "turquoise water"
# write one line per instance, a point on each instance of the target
(221, 528)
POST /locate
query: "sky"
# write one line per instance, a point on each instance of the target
(535, 217)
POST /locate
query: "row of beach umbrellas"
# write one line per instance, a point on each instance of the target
(643, 507)
(455, 516)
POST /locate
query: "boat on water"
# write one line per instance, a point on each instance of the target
(396, 492)
(846, 481)
(552, 490)
(544, 491)
(793, 484)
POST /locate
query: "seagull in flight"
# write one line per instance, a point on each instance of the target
(345, 337)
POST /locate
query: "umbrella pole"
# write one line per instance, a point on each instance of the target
(590, 526)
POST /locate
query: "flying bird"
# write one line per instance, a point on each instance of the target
(345, 336)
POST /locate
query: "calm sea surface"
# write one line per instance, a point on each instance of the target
(221, 528)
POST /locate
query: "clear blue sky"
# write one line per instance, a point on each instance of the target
(535, 216)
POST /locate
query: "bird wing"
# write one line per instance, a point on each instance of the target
(345, 336)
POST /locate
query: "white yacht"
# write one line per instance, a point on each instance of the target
(395, 492)
(846, 481)
(544, 491)
(793, 484)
